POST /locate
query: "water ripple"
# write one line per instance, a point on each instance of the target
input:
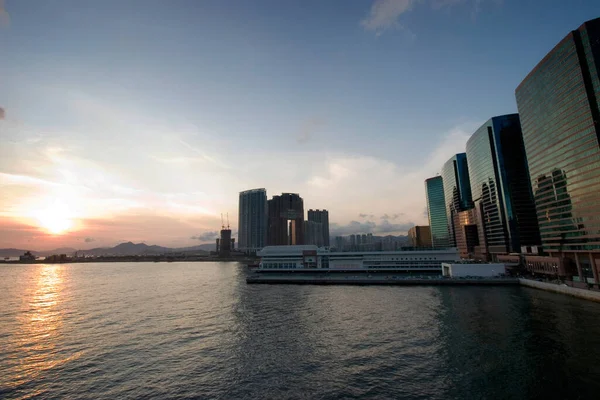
(196, 330)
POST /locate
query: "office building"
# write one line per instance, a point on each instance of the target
(252, 221)
(558, 104)
(436, 210)
(457, 190)
(322, 217)
(419, 236)
(467, 234)
(500, 186)
(313, 233)
(286, 220)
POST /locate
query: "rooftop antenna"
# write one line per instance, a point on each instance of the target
(227, 220)
(222, 224)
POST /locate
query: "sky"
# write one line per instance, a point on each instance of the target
(142, 120)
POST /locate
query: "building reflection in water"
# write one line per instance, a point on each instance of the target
(35, 346)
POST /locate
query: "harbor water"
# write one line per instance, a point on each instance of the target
(197, 330)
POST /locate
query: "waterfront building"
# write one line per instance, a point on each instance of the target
(420, 236)
(415, 261)
(501, 188)
(457, 191)
(436, 211)
(322, 217)
(470, 269)
(313, 233)
(252, 221)
(467, 234)
(558, 104)
(286, 220)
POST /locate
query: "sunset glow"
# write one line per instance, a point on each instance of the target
(55, 219)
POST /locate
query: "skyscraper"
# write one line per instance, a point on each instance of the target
(436, 210)
(560, 116)
(313, 233)
(457, 190)
(286, 220)
(500, 186)
(252, 221)
(322, 217)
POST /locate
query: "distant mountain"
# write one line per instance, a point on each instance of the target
(138, 249)
(11, 252)
(123, 249)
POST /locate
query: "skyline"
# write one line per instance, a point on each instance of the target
(166, 140)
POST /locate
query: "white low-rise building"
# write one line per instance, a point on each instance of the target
(466, 269)
(313, 257)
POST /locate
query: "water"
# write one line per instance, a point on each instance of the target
(196, 330)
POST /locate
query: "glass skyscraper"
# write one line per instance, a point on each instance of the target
(500, 185)
(560, 116)
(252, 221)
(436, 210)
(457, 190)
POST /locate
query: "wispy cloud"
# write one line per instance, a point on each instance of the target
(206, 236)
(385, 14)
(354, 227)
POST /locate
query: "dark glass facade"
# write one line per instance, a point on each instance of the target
(457, 190)
(501, 186)
(436, 209)
(560, 117)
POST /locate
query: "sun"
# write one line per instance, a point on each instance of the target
(56, 218)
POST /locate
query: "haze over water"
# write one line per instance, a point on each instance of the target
(197, 330)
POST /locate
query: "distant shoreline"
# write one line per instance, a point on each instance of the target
(247, 260)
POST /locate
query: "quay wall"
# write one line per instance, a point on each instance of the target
(569, 291)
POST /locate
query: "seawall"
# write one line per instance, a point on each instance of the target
(378, 281)
(569, 291)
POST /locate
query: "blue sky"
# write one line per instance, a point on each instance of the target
(142, 120)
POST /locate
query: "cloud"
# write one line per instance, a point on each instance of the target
(385, 14)
(308, 129)
(89, 240)
(206, 236)
(396, 191)
(355, 227)
(4, 17)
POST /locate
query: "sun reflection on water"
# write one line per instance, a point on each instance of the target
(36, 346)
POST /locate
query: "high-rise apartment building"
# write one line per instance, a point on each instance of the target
(286, 220)
(322, 217)
(560, 116)
(436, 210)
(457, 190)
(419, 236)
(501, 187)
(313, 233)
(252, 221)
